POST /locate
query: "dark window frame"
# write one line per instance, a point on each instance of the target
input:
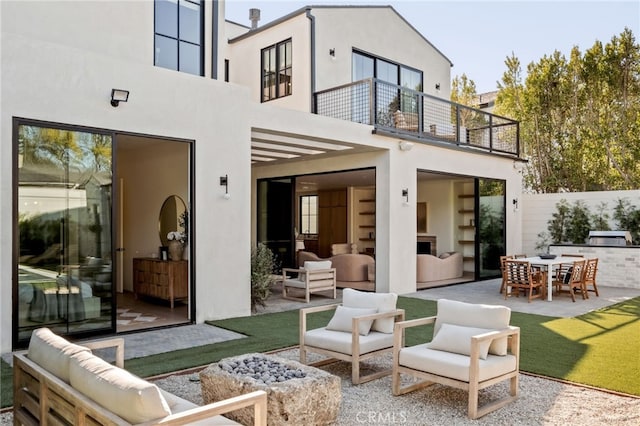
(178, 40)
(309, 215)
(397, 64)
(274, 91)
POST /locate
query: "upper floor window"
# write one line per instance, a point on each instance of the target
(367, 66)
(178, 35)
(276, 71)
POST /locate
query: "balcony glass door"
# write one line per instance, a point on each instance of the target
(64, 233)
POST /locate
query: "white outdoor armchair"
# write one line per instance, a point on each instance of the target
(361, 328)
(314, 277)
(473, 347)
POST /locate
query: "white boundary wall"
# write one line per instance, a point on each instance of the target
(537, 210)
(617, 266)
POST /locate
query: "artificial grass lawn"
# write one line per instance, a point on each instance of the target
(600, 348)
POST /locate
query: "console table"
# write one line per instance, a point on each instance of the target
(163, 279)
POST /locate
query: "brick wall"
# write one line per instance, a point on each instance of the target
(617, 266)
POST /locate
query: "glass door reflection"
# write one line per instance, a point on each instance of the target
(64, 227)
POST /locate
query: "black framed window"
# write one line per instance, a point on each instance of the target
(277, 70)
(179, 35)
(309, 214)
(367, 66)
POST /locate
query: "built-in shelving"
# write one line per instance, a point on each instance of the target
(466, 233)
(365, 217)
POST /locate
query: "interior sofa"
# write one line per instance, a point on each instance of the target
(59, 382)
(436, 268)
(355, 271)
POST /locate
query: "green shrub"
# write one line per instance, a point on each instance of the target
(263, 266)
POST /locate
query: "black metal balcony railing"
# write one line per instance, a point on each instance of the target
(397, 109)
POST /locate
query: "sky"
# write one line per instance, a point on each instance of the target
(477, 36)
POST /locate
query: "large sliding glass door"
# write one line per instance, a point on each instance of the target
(490, 226)
(64, 259)
(275, 218)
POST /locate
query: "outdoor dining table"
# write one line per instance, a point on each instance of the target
(548, 263)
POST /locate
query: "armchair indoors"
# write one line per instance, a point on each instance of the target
(473, 347)
(313, 277)
(361, 328)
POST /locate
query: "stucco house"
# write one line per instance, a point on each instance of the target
(124, 121)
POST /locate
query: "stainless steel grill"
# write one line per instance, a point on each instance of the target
(609, 238)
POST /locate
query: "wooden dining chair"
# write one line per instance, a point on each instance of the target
(573, 279)
(521, 277)
(503, 271)
(590, 278)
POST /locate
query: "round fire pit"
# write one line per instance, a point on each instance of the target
(297, 394)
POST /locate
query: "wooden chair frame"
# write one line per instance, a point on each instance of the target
(576, 279)
(355, 357)
(503, 286)
(474, 384)
(589, 280)
(520, 275)
(309, 281)
(42, 398)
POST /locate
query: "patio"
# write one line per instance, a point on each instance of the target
(542, 401)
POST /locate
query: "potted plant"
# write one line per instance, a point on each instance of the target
(263, 266)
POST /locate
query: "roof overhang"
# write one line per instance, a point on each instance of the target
(272, 147)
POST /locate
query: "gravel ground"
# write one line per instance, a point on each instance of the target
(541, 401)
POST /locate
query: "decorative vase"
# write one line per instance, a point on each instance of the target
(175, 250)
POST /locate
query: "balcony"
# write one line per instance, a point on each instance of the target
(403, 112)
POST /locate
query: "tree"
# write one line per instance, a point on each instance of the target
(559, 223)
(579, 116)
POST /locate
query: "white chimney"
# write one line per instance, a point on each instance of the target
(254, 16)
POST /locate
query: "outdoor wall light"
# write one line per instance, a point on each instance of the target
(332, 52)
(437, 86)
(405, 145)
(224, 181)
(119, 95)
(405, 194)
(515, 204)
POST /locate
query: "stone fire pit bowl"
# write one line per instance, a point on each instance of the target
(313, 399)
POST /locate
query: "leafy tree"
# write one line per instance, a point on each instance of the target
(559, 223)
(578, 225)
(600, 219)
(579, 116)
(628, 218)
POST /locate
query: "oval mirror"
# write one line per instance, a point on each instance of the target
(169, 221)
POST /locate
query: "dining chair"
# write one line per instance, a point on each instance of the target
(590, 278)
(573, 279)
(503, 271)
(521, 276)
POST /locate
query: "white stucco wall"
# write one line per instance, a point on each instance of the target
(344, 29)
(379, 31)
(245, 61)
(66, 77)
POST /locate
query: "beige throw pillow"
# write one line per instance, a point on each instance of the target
(343, 316)
(384, 302)
(457, 339)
